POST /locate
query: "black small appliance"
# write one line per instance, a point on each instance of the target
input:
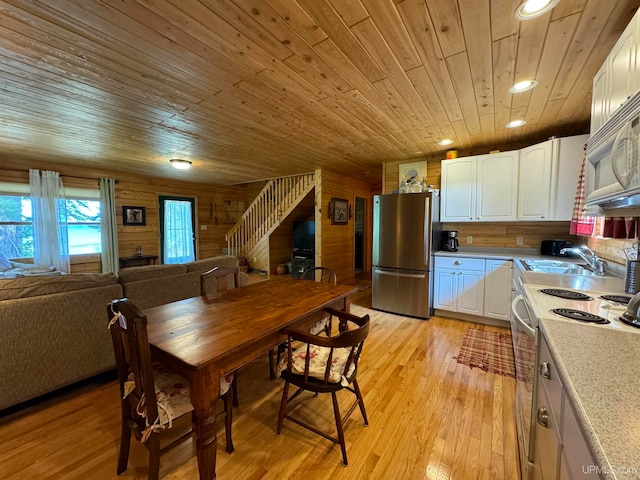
(554, 247)
(450, 240)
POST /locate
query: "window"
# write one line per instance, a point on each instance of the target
(16, 230)
(83, 224)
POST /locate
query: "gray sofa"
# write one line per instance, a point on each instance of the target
(154, 285)
(53, 332)
(55, 327)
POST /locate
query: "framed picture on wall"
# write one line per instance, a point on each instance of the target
(339, 211)
(134, 216)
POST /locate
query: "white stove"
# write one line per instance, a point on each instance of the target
(593, 308)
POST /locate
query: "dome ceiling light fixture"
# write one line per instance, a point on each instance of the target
(534, 8)
(180, 163)
(444, 142)
(515, 123)
(523, 86)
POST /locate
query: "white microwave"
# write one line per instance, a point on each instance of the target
(613, 152)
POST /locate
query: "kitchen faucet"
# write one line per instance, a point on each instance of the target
(593, 261)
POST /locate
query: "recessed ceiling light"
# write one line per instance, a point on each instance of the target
(180, 163)
(515, 123)
(534, 8)
(445, 141)
(523, 86)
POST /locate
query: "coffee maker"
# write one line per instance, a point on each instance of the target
(450, 240)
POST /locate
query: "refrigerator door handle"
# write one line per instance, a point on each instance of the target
(427, 235)
(396, 274)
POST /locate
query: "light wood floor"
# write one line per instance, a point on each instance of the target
(429, 418)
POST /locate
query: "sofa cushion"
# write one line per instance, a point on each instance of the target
(53, 340)
(149, 272)
(159, 290)
(34, 286)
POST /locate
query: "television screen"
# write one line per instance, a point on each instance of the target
(304, 235)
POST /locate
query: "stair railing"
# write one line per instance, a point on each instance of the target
(272, 205)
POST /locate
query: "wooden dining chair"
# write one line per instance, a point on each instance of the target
(316, 274)
(325, 365)
(212, 282)
(218, 279)
(151, 396)
(320, 274)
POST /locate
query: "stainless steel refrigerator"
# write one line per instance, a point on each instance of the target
(406, 232)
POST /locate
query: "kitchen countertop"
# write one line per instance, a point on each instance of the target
(613, 283)
(601, 383)
(598, 367)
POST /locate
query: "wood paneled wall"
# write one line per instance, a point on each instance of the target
(505, 234)
(338, 241)
(144, 192)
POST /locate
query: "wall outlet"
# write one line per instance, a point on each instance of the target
(203, 227)
(469, 239)
(519, 240)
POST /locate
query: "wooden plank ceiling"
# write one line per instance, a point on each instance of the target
(252, 89)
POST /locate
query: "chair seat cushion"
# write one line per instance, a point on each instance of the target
(319, 326)
(318, 357)
(172, 394)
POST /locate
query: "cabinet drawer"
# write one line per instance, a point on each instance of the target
(460, 263)
(548, 379)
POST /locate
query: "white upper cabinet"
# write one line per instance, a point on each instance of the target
(622, 67)
(619, 77)
(481, 188)
(599, 100)
(458, 180)
(497, 190)
(535, 198)
(548, 180)
(537, 183)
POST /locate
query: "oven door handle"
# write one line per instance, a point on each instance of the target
(527, 328)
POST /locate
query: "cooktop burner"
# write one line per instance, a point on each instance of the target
(580, 315)
(623, 299)
(568, 294)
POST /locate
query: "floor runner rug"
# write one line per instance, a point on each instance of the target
(488, 351)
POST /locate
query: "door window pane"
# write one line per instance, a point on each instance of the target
(177, 238)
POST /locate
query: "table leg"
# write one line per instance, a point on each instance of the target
(204, 394)
(206, 442)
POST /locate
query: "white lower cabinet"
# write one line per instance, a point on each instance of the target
(459, 285)
(561, 451)
(497, 289)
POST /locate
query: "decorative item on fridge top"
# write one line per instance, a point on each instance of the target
(410, 175)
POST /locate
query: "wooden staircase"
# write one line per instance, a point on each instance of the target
(273, 204)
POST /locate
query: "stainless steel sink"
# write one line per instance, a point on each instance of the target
(561, 274)
(556, 266)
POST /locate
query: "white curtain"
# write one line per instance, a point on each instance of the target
(178, 232)
(49, 213)
(108, 225)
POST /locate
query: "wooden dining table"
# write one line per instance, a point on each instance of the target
(204, 338)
